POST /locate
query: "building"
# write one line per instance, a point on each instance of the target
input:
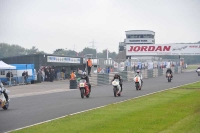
(55, 61)
(137, 37)
(140, 37)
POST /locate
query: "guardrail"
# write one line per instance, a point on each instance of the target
(104, 79)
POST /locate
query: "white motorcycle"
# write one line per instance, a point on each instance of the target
(198, 72)
(138, 84)
(3, 103)
(116, 87)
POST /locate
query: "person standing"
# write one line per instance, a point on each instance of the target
(43, 75)
(72, 75)
(63, 73)
(89, 66)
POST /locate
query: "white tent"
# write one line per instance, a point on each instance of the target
(6, 66)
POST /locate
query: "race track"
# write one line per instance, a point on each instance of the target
(28, 110)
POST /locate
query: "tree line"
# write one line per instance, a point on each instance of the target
(7, 50)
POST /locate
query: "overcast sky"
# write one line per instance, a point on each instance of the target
(51, 24)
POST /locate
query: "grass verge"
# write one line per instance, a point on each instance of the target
(192, 66)
(171, 111)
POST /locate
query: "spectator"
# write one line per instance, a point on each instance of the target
(26, 77)
(11, 74)
(63, 73)
(43, 75)
(72, 75)
(89, 65)
(51, 75)
(8, 75)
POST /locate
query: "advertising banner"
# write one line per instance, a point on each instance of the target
(58, 59)
(163, 49)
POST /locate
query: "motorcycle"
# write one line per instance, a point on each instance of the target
(3, 103)
(137, 81)
(116, 87)
(198, 72)
(84, 88)
(169, 77)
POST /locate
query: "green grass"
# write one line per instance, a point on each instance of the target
(171, 111)
(192, 66)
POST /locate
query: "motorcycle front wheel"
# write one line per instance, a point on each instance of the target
(115, 91)
(169, 79)
(82, 92)
(137, 86)
(5, 107)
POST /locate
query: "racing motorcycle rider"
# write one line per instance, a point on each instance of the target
(84, 76)
(140, 75)
(4, 91)
(117, 76)
(198, 69)
(169, 70)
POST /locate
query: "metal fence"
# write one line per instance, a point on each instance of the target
(103, 66)
(97, 79)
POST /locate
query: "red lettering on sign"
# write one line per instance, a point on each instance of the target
(166, 48)
(131, 49)
(149, 48)
(159, 48)
(144, 48)
(137, 48)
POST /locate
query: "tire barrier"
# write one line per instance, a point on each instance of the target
(72, 84)
(164, 71)
(123, 75)
(145, 73)
(103, 79)
(130, 76)
(160, 72)
(155, 72)
(150, 73)
(176, 70)
(93, 80)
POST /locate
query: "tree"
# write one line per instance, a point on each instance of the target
(88, 51)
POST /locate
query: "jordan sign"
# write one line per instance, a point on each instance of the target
(167, 49)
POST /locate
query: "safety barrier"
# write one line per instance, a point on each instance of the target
(160, 72)
(103, 79)
(150, 73)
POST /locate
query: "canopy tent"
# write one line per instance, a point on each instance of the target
(6, 66)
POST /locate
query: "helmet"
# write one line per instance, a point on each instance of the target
(138, 71)
(84, 73)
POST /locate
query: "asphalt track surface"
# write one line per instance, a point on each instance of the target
(28, 110)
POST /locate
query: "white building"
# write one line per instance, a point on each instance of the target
(137, 37)
(140, 37)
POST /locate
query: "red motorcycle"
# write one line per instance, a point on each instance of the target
(84, 88)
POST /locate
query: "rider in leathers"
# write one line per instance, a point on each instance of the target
(198, 68)
(116, 76)
(140, 75)
(84, 76)
(169, 70)
(4, 91)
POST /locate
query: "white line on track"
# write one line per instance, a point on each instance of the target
(97, 107)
